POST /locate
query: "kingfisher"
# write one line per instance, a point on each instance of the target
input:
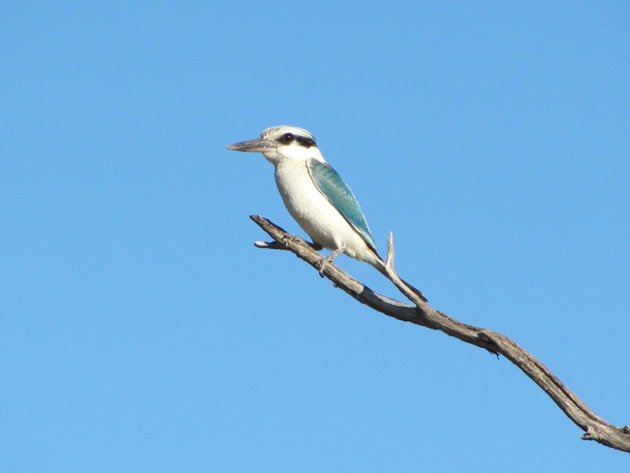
(315, 195)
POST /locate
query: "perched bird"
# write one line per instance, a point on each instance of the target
(315, 195)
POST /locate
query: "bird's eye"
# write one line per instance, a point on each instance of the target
(288, 138)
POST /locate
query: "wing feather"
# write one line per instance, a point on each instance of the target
(340, 196)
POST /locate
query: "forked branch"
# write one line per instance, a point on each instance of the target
(421, 313)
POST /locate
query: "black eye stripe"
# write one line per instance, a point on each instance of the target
(288, 137)
(306, 142)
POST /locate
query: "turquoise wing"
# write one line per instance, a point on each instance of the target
(340, 196)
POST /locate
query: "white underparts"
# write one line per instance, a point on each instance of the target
(315, 214)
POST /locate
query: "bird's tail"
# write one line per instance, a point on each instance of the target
(380, 265)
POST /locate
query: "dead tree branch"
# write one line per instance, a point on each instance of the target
(421, 313)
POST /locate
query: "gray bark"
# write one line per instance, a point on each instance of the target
(421, 313)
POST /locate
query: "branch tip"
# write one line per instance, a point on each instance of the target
(269, 245)
(389, 262)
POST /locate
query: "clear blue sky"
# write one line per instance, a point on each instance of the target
(140, 330)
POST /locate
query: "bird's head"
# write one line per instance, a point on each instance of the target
(281, 143)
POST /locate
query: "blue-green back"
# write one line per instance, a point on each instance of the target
(340, 196)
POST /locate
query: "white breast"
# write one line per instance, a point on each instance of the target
(310, 208)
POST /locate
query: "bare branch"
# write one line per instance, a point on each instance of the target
(421, 313)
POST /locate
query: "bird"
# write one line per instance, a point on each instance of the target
(315, 194)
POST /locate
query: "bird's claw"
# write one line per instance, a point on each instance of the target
(329, 259)
(325, 262)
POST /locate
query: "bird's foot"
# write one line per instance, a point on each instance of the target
(328, 260)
